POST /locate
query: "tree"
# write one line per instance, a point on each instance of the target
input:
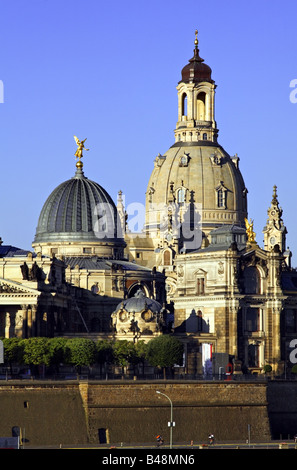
(36, 351)
(141, 352)
(267, 368)
(104, 353)
(80, 352)
(57, 351)
(164, 351)
(124, 353)
(13, 351)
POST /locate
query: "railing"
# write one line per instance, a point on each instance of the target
(149, 377)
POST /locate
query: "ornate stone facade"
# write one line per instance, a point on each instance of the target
(230, 298)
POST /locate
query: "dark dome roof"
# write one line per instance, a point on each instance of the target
(196, 71)
(70, 213)
(138, 303)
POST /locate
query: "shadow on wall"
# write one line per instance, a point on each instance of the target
(193, 324)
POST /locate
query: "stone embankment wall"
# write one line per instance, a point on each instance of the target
(47, 414)
(136, 413)
(54, 413)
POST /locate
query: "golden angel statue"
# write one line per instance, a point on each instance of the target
(249, 230)
(80, 147)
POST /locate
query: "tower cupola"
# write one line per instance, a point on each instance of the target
(196, 97)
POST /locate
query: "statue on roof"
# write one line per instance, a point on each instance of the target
(249, 230)
(80, 147)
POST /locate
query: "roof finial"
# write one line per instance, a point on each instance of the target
(196, 40)
(79, 152)
(274, 195)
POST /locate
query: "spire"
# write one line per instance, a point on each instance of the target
(196, 50)
(275, 231)
(274, 196)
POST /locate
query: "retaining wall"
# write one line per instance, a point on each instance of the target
(78, 413)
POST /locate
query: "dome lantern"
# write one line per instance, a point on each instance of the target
(196, 71)
(196, 102)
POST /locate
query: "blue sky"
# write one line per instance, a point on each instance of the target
(108, 71)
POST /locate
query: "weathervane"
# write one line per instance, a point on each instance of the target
(79, 152)
(196, 40)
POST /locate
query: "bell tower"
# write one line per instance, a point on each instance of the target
(196, 102)
(275, 231)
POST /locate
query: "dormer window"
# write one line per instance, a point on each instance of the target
(184, 160)
(221, 198)
(221, 195)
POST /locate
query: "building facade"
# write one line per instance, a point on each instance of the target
(196, 262)
(230, 296)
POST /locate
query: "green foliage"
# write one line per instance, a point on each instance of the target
(141, 350)
(164, 351)
(104, 352)
(267, 368)
(80, 352)
(57, 351)
(124, 352)
(13, 350)
(294, 369)
(36, 351)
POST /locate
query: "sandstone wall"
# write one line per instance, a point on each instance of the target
(47, 415)
(72, 413)
(136, 413)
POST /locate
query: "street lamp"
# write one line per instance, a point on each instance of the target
(171, 423)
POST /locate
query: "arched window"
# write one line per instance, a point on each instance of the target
(167, 258)
(181, 195)
(135, 288)
(204, 136)
(201, 106)
(251, 279)
(184, 105)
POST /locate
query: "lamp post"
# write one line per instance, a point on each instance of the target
(171, 423)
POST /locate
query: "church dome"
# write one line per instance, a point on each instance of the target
(138, 315)
(198, 182)
(138, 303)
(202, 174)
(78, 210)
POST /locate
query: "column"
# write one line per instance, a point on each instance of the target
(7, 325)
(25, 320)
(34, 311)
